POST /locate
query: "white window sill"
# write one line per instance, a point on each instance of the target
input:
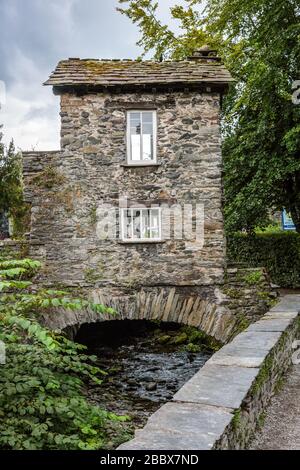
(137, 165)
(134, 242)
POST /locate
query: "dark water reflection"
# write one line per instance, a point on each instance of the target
(142, 373)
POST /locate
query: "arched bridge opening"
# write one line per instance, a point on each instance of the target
(203, 311)
(164, 336)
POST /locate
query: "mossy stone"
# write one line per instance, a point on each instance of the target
(164, 339)
(180, 339)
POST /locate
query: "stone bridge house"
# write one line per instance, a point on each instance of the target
(138, 138)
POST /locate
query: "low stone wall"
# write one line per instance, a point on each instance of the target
(13, 248)
(224, 403)
(248, 293)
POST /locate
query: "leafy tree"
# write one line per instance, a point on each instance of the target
(42, 404)
(159, 38)
(11, 188)
(259, 41)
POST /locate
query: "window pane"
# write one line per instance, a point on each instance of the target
(141, 224)
(135, 123)
(148, 117)
(155, 226)
(135, 118)
(147, 128)
(135, 129)
(141, 134)
(146, 232)
(135, 147)
(135, 136)
(147, 131)
(147, 147)
(127, 225)
(136, 214)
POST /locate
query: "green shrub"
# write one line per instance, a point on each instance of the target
(11, 189)
(279, 253)
(42, 401)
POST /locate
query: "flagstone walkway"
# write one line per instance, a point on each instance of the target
(281, 430)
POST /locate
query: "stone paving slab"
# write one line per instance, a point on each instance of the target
(232, 355)
(181, 426)
(289, 303)
(271, 324)
(275, 315)
(250, 349)
(263, 340)
(217, 385)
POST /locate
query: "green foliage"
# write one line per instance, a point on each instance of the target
(264, 375)
(259, 43)
(261, 419)
(11, 188)
(49, 178)
(198, 340)
(236, 420)
(254, 279)
(242, 322)
(42, 404)
(160, 38)
(279, 253)
(261, 126)
(93, 215)
(193, 348)
(180, 339)
(271, 228)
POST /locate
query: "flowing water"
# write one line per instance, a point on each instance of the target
(143, 373)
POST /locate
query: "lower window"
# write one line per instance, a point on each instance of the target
(141, 224)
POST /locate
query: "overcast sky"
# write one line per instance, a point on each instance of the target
(34, 36)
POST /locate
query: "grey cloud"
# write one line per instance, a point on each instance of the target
(34, 36)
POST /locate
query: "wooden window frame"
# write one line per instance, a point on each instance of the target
(131, 162)
(140, 240)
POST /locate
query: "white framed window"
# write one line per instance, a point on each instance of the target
(141, 137)
(141, 224)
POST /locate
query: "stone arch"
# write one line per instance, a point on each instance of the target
(189, 307)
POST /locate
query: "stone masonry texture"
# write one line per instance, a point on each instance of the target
(70, 190)
(90, 176)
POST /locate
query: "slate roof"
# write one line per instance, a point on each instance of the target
(76, 72)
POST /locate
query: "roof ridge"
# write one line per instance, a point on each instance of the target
(118, 72)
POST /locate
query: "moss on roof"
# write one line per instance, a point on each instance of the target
(126, 72)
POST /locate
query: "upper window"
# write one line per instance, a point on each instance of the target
(141, 224)
(141, 137)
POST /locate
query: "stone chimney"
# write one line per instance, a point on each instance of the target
(205, 54)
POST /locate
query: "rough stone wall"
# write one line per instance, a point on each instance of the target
(247, 293)
(67, 189)
(221, 312)
(176, 280)
(210, 309)
(168, 304)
